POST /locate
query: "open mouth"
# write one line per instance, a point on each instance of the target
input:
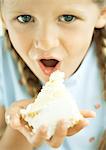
(49, 65)
(49, 62)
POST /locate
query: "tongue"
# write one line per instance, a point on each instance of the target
(49, 62)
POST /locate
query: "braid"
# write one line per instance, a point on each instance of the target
(28, 79)
(100, 39)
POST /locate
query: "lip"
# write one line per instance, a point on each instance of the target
(48, 70)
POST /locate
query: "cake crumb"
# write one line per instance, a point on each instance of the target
(91, 139)
(97, 106)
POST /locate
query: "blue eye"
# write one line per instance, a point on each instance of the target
(25, 18)
(67, 18)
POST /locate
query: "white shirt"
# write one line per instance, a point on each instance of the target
(85, 86)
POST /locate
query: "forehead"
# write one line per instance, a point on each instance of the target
(44, 2)
(36, 4)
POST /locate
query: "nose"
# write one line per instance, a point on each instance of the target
(46, 38)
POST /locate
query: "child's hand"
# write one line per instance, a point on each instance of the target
(13, 119)
(62, 130)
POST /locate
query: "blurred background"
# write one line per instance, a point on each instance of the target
(0, 29)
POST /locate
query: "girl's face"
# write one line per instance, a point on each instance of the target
(51, 34)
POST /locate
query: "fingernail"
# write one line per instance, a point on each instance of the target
(8, 119)
(86, 123)
(93, 113)
(65, 123)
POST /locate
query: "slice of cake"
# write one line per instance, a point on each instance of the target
(52, 104)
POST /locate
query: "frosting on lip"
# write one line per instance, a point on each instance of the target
(52, 104)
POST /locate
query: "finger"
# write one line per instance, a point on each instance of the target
(60, 133)
(34, 139)
(12, 115)
(16, 106)
(77, 127)
(26, 132)
(88, 113)
(13, 120)
(40, 136)
(23, 103)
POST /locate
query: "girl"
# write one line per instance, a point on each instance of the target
(43, 36)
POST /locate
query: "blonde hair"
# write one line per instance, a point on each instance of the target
(33, 84)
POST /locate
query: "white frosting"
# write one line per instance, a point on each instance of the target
(52, 104)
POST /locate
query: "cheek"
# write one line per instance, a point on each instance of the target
(22, 42)
(77, 40)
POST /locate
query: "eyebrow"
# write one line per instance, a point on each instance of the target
(72, 10)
